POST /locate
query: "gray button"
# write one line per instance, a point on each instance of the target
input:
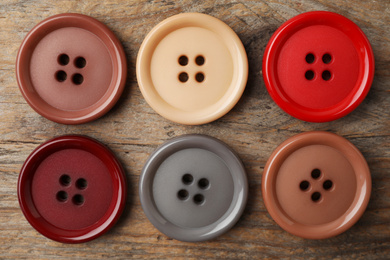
(193, 188)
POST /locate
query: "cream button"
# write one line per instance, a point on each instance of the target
(192, 68)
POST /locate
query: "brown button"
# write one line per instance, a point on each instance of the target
(71, 68)
(192, 68)
(316, 185)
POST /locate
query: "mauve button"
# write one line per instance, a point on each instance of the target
(192, 68)
(72, 189)
(316, 185)
(318, 66)
(71, 68)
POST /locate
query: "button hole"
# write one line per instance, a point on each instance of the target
(182, 194)
(203, 183)
(316, 196)
(78, 199)
(326, 75)
(61, 76)
(304, 185)
(327, 185)
(80, 62)
(65, 180)
(199, 199)
(183, 60)
(326, 58)
(187, 179)
(77, 79)
(81, 184)
(199, 77)
(62, 196)
(309, 75)
(316, 173)
(310, 58)
(183, 77)
(63, 59)
(199, 60)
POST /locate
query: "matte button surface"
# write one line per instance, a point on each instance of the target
(316, 185)
(318, 66)
(192, 68)
(193, 188)
(71, 68)
(72, 189)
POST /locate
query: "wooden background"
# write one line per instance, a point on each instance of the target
(254, 128)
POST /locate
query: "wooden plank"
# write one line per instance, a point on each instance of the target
(253, 128)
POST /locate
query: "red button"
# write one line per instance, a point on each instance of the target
(316, 185)
(72, 189)
(71, 68)
(318, 66)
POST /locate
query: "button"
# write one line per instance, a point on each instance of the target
(316, 185)
(192, 68)
(72, 189)
(193, 188)
(318, 66)
(71, 68)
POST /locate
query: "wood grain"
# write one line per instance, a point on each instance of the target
(253, 128)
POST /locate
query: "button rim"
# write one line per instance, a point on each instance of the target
(211, 231)
(335, 227)
(143, 75)
(26, 202)
(297, 110)
(27, 89)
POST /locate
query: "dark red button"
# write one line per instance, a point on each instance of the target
(72, 189)
(318, 66)
(71, 68)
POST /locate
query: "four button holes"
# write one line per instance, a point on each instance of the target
(188, 179)
(305, 185)
(79, 62)
(66, 181)
(183, 61)
(326, 59)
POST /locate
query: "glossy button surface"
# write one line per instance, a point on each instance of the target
(318, 66)
(193, 188)
(71, 68)
(316, 185)
(72, 189)
(192, 68)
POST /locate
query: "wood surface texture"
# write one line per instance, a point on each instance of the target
(253, 128)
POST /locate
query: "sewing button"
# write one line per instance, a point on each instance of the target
(316, 185)
(71, 68)
(192, 68)
(72, 189)
(318, 66)
(193, 188)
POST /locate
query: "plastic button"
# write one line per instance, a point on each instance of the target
(72, 189)
(71, 68)
(316, 185)
(193, 188)
(192, 68)
(318, 66)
